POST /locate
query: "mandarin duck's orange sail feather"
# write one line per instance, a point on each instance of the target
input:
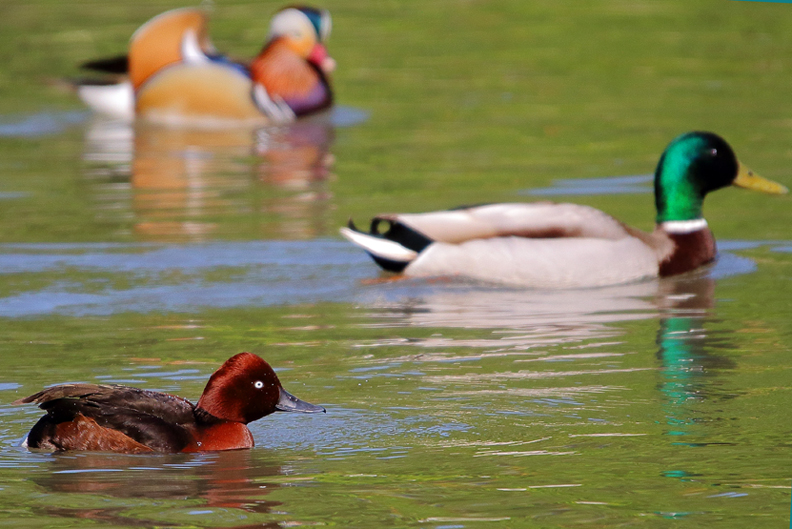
(159, 42)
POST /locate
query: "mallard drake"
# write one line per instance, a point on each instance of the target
(176, 76)
(551, 245)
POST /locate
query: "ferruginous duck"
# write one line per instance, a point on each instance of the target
(114, 418)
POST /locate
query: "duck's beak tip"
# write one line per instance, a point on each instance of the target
(288, 402)
(747, 179)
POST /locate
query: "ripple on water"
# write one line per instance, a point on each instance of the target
(40, 123)
(108, 278)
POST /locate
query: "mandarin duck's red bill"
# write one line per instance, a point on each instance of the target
(124, 419)
(176, 76)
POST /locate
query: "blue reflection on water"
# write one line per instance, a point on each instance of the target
(48, 123)
(11, 195)
(613, 185)
(107, 278)
(342, 116)
(257, 273)
(40, 124)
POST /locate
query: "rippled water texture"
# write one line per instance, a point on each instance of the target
(146, 256)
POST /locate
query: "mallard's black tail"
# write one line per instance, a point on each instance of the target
(392, 250)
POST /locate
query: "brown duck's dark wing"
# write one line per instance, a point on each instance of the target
(103, 417)
(162, 405)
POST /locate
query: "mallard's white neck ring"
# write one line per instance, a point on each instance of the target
(683, 226)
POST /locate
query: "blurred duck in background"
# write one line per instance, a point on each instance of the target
(174, 75)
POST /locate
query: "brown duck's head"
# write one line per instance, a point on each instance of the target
(245, 389)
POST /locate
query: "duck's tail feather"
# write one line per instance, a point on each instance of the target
(116, 65)
(394, 249)
(113, 99)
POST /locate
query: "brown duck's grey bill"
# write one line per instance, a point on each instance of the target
(288, 402)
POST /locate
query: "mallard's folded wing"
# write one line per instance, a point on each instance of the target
(541, 220)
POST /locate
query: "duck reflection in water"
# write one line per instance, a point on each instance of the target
(521, 320)
(688, 365)
(523, 323)
(188, 184)
(236, 479)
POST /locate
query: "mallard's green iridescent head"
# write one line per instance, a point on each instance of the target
(694, 164)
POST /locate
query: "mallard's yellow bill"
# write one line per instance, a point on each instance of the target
(750, 180)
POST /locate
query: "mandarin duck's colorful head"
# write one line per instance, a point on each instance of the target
(290, 73)
(306, 29)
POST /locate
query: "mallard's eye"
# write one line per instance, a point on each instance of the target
(714, 152)
(258, 384)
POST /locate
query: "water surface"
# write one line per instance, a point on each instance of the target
(147, 256)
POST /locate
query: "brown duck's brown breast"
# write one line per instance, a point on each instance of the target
(690, 251)
(227, 435)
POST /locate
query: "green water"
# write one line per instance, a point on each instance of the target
(147, 257)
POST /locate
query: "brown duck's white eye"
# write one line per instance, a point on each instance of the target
(258, 384)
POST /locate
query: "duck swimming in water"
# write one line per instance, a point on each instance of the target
(177, 77)
(115, 418)
(548, 245)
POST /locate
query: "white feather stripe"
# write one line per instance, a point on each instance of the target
(683, 226)
(191, 49)
(290, 21)
(540, 263)
(275, 109)
(380, 247)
